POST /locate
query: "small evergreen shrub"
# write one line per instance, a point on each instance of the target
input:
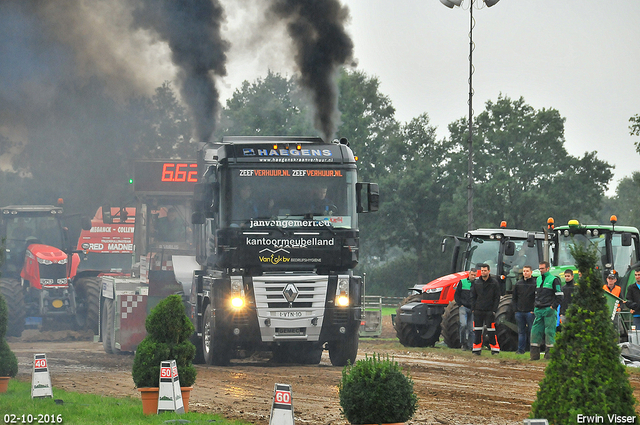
(585, 375)
(8, 360)
(168, 332)
(374, 391)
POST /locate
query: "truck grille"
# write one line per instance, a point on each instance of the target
(311, 291)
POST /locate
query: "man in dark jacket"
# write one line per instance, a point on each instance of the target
(633, 300)
(567, 293)
(548, 298)
(524, 295)
(485, 296)
(462, 297)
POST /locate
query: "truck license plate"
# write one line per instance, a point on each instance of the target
(289, 314)
(290, 331)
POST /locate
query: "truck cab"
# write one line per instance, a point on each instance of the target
(277, 240)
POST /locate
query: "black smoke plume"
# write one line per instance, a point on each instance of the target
(321, 46)
(192, 30)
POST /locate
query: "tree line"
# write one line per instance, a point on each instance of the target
(83, 151)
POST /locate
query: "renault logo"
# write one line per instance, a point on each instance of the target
(290, 292)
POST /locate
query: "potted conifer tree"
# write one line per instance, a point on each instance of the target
(375, 391)
(168, 331)
(8, 361)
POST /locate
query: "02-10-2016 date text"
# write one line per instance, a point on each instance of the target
(28, 418)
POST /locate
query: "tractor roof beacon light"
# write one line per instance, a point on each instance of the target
(550, 223)
(573, 223)
(503, 224)
(613, 221)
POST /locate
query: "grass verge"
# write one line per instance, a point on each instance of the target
(17, 406)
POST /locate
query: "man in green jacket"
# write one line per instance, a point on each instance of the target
(548, 297)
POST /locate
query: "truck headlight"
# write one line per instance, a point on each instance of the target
(342, 291)
(237, 292)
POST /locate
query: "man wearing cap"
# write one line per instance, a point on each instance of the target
(612, 284)
(633, 300)
(548, 297)
(462, 297)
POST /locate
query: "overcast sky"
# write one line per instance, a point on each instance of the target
(581, 58)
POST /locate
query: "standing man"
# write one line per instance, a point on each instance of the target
(612, 284)
(524, 295)
(548, 298)
(633, 300)
(567, 293)
(462, 297)
(485, 296)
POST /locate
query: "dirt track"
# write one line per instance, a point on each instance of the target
(452, 388)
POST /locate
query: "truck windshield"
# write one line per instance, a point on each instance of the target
(482, 251)
(623, 256)
(291, 198)
(486, 251)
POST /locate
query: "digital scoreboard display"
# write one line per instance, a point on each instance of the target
(164, 177)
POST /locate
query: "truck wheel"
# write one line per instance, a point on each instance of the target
(451, 325)
(14, 296)
(195, 340)
(506, 327)
(87, 303)
(344, 351)
(214, 348)
(411, 335)
(108, 335)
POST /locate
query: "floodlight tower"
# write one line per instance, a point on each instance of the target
(450, 4)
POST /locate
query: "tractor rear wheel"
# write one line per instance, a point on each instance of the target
(411, 335)
(506, 327)
(87, 303)
(451, 325)
(14, 297)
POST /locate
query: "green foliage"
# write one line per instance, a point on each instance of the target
(634, 128)
(168, 323)
(8, 360)
(376, 391)
(585, 375)
(520, 160)
(273, 106)
(625, 204)
(168, 332)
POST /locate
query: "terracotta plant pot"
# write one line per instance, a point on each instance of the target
(4, 383)
(149, 400)
(186, 394)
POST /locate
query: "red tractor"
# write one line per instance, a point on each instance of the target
(39, 270)
(431, 310)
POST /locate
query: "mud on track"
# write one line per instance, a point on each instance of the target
(453, 387)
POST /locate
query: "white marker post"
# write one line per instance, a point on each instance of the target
(169, 396)
(40, 379)
(282, 408)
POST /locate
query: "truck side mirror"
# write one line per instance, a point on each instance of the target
(510, 249)
(369, 200)
(106, 214)
(374, 197)
(205, 197)
(626, 239)
(443, 245)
